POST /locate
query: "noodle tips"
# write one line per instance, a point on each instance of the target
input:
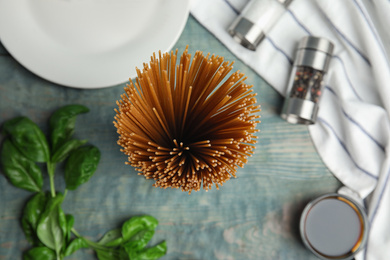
(187, 125)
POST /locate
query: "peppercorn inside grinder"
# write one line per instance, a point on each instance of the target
(307, 79)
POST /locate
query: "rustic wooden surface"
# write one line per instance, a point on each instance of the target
(254, 216)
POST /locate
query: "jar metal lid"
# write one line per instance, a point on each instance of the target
(316, 43)
(314, 52)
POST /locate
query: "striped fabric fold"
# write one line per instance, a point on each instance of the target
(352, 134)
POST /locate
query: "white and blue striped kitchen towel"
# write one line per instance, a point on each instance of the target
(352, 134)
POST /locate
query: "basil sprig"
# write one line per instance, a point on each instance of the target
(45, 225)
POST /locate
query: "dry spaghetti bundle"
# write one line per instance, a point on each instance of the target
(187, 125)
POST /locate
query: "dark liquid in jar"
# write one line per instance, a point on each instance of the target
(334, 227)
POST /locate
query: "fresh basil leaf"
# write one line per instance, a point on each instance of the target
(31, 215)
(150, 253)
(28, 138)
(139, 241)
(64, 150)
(21, 171)
(137, 224)
(112, 238)
(69, 225)
(112, 254)
(51, 228)
(75, 245)
(81, 165)
(40, 253)
(62, 123)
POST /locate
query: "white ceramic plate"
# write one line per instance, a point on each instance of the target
(89, 43)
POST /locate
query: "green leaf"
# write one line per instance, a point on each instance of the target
(137, 224)
(69, 225)
(64, 150)
(39, 253)
(51, 228)
(75, 245)
(62, 124)
(31, 215)
(81, 165)
(112, 238)
(112, 254)
(28, 138)
(151, 253)
(139, 241)
(21, 171)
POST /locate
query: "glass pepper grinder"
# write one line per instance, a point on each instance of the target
(307, 79)
(255, 20)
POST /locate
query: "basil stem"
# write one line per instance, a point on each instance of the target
(50, 171)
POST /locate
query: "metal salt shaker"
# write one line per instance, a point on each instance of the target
(255, 20)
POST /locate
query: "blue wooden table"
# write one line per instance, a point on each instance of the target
(254, 216)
